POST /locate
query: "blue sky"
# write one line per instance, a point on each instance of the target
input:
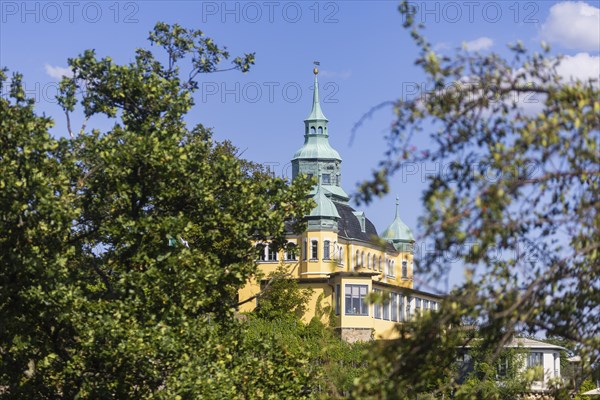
(366, 58)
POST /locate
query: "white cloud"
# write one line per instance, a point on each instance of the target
(574, 25)
(335, 74)
(441, 46)
(57, 72)
(581, 66)
(482, 43)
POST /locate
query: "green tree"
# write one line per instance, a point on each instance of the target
(517, 203)
(121, 251)
(282, 297)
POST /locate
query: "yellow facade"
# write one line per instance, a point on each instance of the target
(323, 276)
(340, 256)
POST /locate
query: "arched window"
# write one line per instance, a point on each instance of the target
(374, 262)
(379, 263)
(290, 252)
(369, 260)
(405, 269)
(362, 258)
(313, 130)
(320, 130)
(271, 253)
(260, 249)
(357, 259)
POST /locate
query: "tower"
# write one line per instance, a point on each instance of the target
(399, 234)
(316, 157)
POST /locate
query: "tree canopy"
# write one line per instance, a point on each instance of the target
(122, 250)
(517, 204)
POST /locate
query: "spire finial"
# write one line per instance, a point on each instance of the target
(397, 206)
(316, 89)
(316, 114)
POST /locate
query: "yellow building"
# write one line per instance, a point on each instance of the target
(340, 255)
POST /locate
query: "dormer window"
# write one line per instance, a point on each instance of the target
(326, 179)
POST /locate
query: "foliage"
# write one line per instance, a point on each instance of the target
(334, 364)
(586, 386)
(282, 297)
(495, 378)
(517, 202)
(122, 251)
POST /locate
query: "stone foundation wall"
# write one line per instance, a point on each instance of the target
(352, 335)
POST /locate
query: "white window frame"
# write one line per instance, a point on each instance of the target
(377, 312)
(271, 254)
(394, 307)
(349, 299)
(290, 255)
(326, 249)
(314, 249)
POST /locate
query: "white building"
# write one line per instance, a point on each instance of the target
(543, 358)
(540, 354)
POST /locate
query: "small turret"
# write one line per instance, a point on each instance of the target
(325, 214)
(398, 233)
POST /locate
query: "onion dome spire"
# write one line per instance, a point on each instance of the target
(398, 232)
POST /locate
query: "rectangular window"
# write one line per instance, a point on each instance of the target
(534, 359)
(326, 179)
(408, 312)
(502, 367)
(355, 297)
(404, 269)
(314, 255)
(271, 253)
(305, 252)
(326, 250)
(426, 304)
(395, 306)
(290, 253)
(401, 308)
(377, 305)
(260, 248)
(417, 303)
(338, 299)
(386, 307)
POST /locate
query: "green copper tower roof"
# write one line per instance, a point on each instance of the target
(316, 138)
(398, 231)
(317, 147)
(325, 207)
(316, 157)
